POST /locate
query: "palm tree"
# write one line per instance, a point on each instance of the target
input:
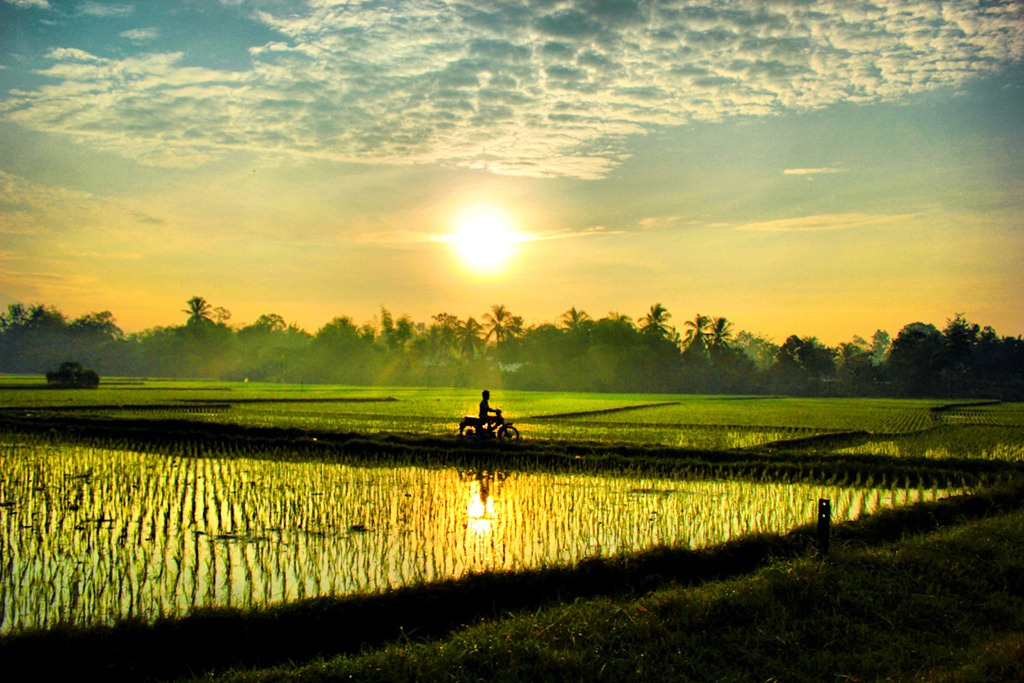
(470, 340)
(199, 311)
(656, 321)
(617, 317)
(721, 333)
(574, 320)
(503, 325)
(697, 332)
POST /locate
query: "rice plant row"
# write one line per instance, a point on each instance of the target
(92, 535)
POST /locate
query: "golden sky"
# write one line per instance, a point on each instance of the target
(825, 170)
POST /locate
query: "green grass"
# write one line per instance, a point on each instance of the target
(697, 422)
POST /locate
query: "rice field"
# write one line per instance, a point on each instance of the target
(699, 422)
(984, 442)
(93, 535)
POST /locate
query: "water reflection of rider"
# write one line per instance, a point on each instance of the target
(486, 412)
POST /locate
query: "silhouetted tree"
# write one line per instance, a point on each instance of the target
(613, 355)
(802, 366)
(855, 370)
(272, 350)
(617, 317)
(915, 360)
(199, 311)
(443, 336)
(880, 344)
(268, 323)
(99, 343)
(721, 334)
(759, 349)
(696, 332)
(395, 334)
(656, 321)
(342, 353)
(574, 320)
(577, 353)
(471, 341)
(501, 324)
(33, 339)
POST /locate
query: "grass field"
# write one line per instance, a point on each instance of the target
(712, 422)
(186, 496)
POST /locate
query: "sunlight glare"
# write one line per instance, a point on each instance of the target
(484, 240)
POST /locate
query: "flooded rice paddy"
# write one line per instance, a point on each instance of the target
(90, 535)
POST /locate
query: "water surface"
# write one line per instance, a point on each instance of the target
(90, 535)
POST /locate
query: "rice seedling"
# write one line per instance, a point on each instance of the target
(98, 530)
(100, 534)
(983, 442)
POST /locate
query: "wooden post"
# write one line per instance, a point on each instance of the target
(824, 524)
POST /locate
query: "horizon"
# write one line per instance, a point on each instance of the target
(674, 322)
(823, 173)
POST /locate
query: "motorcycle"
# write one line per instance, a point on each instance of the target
(492, 428)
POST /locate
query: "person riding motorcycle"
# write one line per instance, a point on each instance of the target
(486, 412)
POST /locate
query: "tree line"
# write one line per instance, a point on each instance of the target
(613, 353)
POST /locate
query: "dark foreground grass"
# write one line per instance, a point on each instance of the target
(945, 606)
(749, 603)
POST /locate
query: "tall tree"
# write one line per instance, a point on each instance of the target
(855, 370)
(915, 360)
(33, 338)
(721, 334)
(617, 317)
(501, 324)
(471, 340)
(880, 344)
(759, 349)
(341, 352)
(656, 321)
(697, 332)
(803, 365)
(574, 320)
(443, 337)
(221, 315)
(269, 322)
(199, 311)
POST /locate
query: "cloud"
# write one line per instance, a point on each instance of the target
(42, 4)
(118, 255)
(593, 231)
(407, 238)
(825, 222)
(99, 9)
(813, 171)
(512, 87)
(40, 214)
(140, 34)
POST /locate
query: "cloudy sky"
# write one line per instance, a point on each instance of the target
(811, 167)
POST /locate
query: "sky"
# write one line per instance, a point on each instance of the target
(823, 168)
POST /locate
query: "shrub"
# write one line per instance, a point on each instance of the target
(72, 375)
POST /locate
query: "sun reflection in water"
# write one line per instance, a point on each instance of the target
(480, 508)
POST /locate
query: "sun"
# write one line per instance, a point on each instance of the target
(484, 240)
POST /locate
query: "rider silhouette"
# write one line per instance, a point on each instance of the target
(486, 411)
